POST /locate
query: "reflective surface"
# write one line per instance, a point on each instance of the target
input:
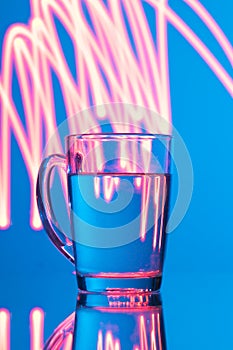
(197, 313)
(112, 322)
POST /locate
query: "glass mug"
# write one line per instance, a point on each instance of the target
(118, 191)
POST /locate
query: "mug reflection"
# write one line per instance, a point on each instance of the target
(112, 322)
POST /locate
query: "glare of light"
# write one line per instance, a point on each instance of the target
(68, 342)
(159, 331)
(116, 180)
(4, 329)
(164, 195)
(153, 335)
(36, 329)
(143, 334)
(97, 186)
(109, 187)
(138, 182)
(107, 341)
(100, 341)
(123, 163)
(101, 112)
(145, 188)
(157, 208)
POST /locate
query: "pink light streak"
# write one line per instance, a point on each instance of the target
(213, 27)
(143, 335)
(198, 45)
(68, 342)
(110, 187)
(34, 51)
(146, 186)
(164, 193)
(138, 182)
(36, 329)
(156, 203)
(4, 329)
(147, 338)
(107, 342)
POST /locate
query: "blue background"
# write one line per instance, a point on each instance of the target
(198, 278)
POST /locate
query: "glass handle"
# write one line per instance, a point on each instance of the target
(59, 239)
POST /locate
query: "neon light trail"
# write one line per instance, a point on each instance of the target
(108, 68)
(4, 329)
(37, 329)
(109, 343)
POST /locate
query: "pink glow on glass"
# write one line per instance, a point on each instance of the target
(4, 329)
(138, 182)
(109, 187)
(156, 203)
(36, 329)
(144, 340)
(143, 334)
(107, 342)
(123, 163)
(135, 300)
(68, 342)
(34, 51)
(146, 185)
(97, 186)
(117, 181)
(100, 341)
(162, 211)
(159, 331)
(153, 334)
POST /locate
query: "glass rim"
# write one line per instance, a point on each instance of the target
(113, 135)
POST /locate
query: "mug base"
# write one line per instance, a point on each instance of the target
(108, 284)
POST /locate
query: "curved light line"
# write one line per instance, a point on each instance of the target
(213, 26)
(198, 45)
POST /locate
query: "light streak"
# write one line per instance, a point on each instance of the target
(146, 187)
(164, 196)
(107, 70)
(68, 342)
(156, 204)
(109, 187)
(97, 186)
(213, 26)
(153, 334)
(159, 331)
(4, 329)
(143, 334)
(100, 341)
(148, 340)
(138, 182)
(107, 342)
(37, 329)
(199, 46)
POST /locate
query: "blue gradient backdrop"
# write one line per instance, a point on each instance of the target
(198, 278)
